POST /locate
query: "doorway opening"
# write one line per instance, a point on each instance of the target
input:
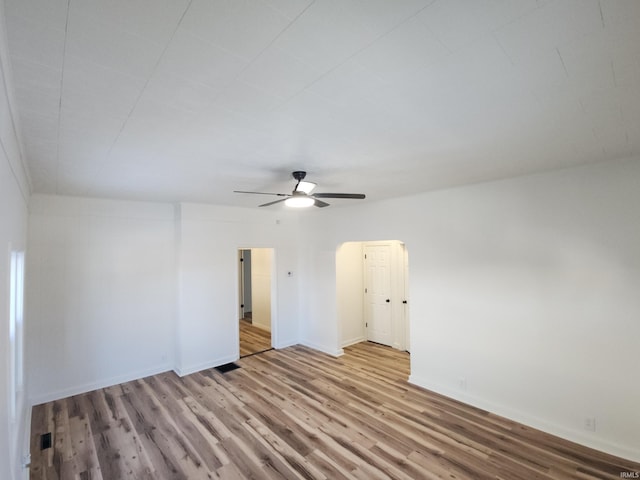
(372, 283)
(254, 294)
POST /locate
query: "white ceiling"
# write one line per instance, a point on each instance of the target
(188, 100)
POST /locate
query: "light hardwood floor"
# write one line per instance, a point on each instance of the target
(297, 413)
(253, 339)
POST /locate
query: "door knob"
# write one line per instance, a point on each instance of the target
(387, 300)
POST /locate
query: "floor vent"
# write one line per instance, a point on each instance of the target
(227, 367)
(45, 441)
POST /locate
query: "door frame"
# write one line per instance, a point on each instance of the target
(242, 284)
(273, 296)
(400, 260)
(398, 263)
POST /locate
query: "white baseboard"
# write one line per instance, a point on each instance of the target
(97, 384)
(181, 372)
(285, 344)
(262, 326)
(334, 352)
(353, 341)
(524, 418)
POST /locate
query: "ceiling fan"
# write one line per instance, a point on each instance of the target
(301, 195)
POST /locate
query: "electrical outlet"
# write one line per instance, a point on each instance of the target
(590, 424)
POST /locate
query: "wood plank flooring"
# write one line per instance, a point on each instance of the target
(297, 414)
(253, 339)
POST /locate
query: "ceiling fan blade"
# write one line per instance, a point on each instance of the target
(357, 196)
(274, 202)
(302, 194)
(262, 193)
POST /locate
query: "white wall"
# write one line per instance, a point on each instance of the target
(14, 194)
(526, 288)
(261, 287)
(319, 327)
(101, 293)
(118, 290)
(210, 237)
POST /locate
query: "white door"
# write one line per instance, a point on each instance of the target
(378, 315)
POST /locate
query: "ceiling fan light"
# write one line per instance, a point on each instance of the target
(299, 201)
(306, 187)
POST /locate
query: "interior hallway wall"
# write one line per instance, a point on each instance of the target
(523, 295)
(210, 237)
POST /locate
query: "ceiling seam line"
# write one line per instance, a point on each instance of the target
(382, 35)
(15, 175)
(64, 60)
(143, 89)
(566, 72)
(4, 61)
(261, 52)
(601, 14)
(179, 23)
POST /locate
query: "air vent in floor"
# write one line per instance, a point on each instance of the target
(227, 367)
(45, 441)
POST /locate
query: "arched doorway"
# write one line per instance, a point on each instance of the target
(372, 293)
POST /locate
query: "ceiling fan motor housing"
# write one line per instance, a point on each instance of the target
(299, 175)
